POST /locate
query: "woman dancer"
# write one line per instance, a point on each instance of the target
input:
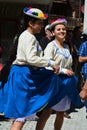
(59, 52)
(30, 87)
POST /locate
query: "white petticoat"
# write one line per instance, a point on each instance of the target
(63, 105)
(23, 119)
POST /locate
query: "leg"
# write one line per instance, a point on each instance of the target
(42, 119)
(59, 120)
(17, 125)
(85, 104)
(83, 93)
(67, 115)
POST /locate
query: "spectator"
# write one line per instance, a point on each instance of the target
(47, 38)
(76, 41)
(83, 61)
(76, 36)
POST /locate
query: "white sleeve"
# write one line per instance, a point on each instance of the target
(49, 52)
(62, 70)
(31, 56)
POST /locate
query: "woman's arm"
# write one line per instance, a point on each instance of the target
(82, 59)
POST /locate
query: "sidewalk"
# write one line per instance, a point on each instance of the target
(78, 121)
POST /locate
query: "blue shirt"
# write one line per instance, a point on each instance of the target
(83, 52)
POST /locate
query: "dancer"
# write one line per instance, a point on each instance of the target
(58, 51)
(30, 87)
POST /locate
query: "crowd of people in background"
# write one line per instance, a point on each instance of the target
(43, 75)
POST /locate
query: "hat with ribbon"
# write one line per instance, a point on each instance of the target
(34, 12)
(58, 21)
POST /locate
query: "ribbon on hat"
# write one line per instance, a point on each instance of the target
(40, 15)
(60, 20)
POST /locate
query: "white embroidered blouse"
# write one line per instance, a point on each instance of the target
(61, 56)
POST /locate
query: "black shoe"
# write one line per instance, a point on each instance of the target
(67, 116)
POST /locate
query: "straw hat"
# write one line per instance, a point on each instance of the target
(58, 21)
(34, 12)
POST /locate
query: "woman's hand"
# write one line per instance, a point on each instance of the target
(69, 72)
(56, 69)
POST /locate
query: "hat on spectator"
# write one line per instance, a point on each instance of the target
(58, 21)
(35, 13)
(47, 27)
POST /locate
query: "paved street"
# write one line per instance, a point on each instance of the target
(78, 121)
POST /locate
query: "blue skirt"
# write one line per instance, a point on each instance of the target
(69, 85)
(28, 90)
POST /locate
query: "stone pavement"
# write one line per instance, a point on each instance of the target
(78, 121)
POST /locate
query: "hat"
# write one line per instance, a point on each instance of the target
(34, 12)
(85, 31)
(47, 27)
(58, 21)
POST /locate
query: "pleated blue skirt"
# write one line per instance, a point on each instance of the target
(69, 86)
(29, 90)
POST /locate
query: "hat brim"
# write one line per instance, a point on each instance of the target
(47, 27)
(56, 23)
(34, 16)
